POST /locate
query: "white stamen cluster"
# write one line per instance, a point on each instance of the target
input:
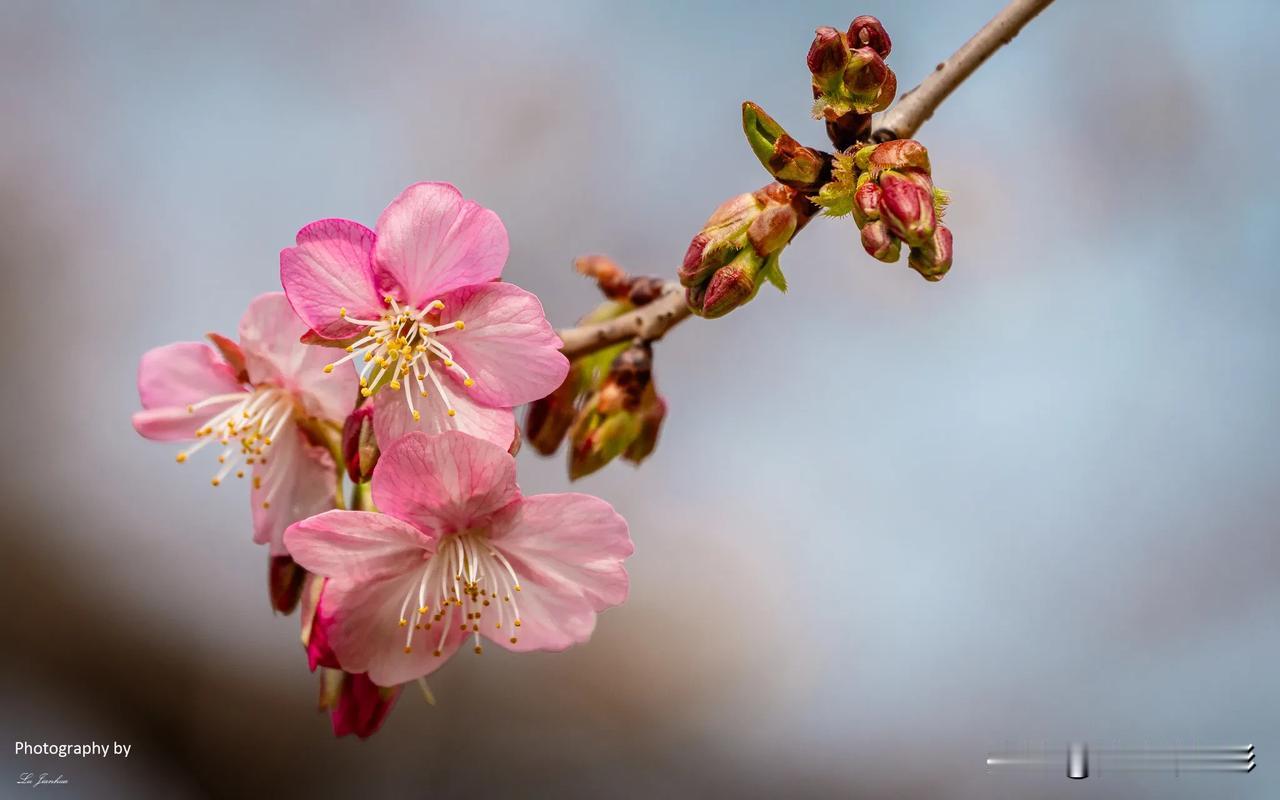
(469, 575)
(245, 428)
(403, 345)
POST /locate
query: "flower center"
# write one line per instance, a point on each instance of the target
(466, 574)
(245, 428)
(401, 350)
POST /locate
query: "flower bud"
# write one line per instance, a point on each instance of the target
(362, 706)
(879, 242)
(359, 446)
(933, 259)
(866, 31)
(896, 154)
(284, 581)
(868, 83)
(549, 419)
(907, 208)
(788, 161)
(613, 419)
(719, 240)
(866, 203)
(733, 285)
(865, 73)
(828, 54)
(773, 229)
(653, 410)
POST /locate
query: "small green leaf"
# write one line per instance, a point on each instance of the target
(773, 273)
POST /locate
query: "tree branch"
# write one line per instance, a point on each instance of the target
(900, 122)
(648, 322)
(916, 106)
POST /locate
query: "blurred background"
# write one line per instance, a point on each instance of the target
(890, 526)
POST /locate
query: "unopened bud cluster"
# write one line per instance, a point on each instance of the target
(622, 418)
(896, 204)
(608, 404)
(850, 78)
(737, 249)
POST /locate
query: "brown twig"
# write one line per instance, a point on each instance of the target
(650, 322)
(916, 106)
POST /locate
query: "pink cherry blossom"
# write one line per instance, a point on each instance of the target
(261, 401)
(417, 306)
(455, 553)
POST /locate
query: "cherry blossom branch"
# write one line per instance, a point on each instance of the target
(653, 320)
(915, 107)
(648, 322)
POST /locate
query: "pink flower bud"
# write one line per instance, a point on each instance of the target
(719, 240)
(285, 579)
(733, 285)
(362, 706)
(828, 54)
(359, 446)
(773, 229)
(866, 203)
(880, 243)
(866, 31)
(865, 73)
(906, 208)
(933, 259)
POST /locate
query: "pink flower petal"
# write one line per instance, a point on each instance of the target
(357, 547)
(506, 344)
(367, 636)
(173, 424)
(269, 334)
(174, 376)
(430, 241)
(572, 544)
(392, 420)
(330, 269)
(444, 483)
(549, 621)
(298, 481)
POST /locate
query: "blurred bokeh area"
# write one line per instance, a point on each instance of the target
(890, 525)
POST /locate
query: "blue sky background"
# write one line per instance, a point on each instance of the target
(891, 525)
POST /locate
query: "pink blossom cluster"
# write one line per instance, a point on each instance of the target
(422, 542)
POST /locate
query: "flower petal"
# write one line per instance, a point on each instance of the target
(356, 547)
(298, 481)
(174, 424)
(572, 544)
(548, 621)
(269, 334)
(392, 420)
(367, 636)
(430, 240)
(330, 269)
(174, 376)
(445, 483)
(506, 344)
(178, 374)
